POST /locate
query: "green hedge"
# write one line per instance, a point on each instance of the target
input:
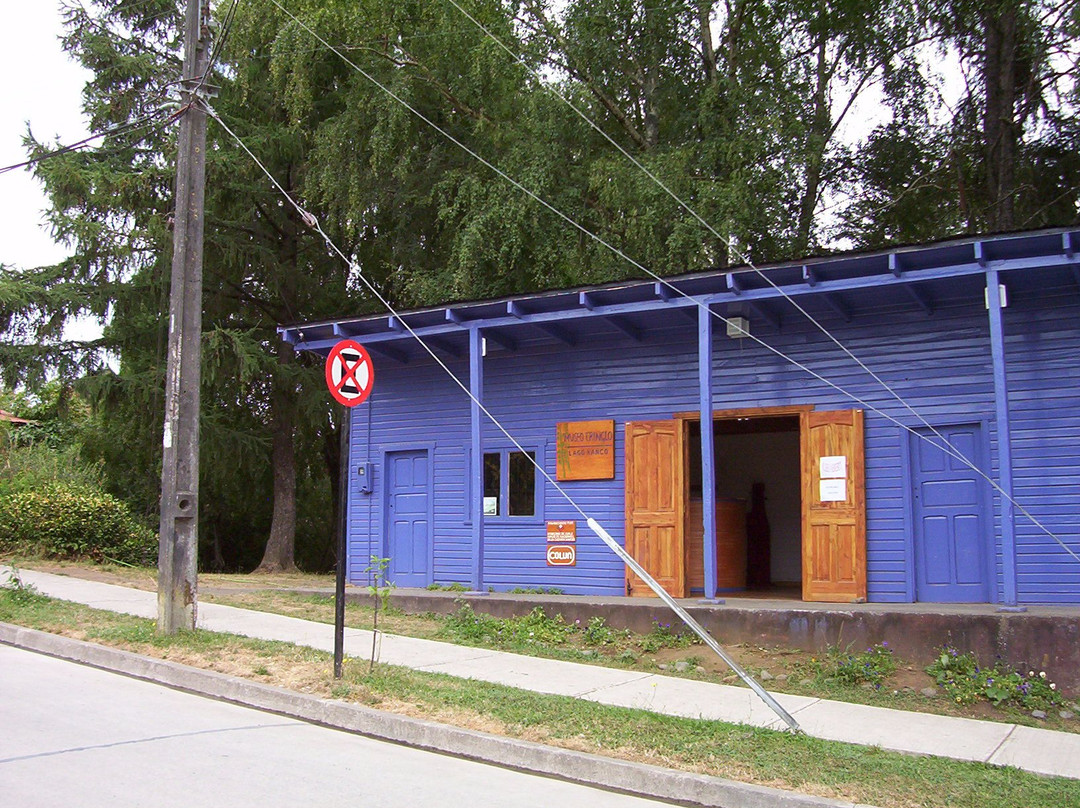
(60, 521)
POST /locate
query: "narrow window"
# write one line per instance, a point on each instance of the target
(522, 484)
(492, 479)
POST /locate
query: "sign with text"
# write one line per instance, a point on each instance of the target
(833, 468)
(561, 555)
(561, 532)
(833, 491)
(585, 450)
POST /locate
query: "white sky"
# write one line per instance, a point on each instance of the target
(42, 86)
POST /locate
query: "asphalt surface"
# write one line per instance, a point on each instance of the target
(76, 736)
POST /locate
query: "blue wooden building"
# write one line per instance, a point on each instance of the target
(810, 474)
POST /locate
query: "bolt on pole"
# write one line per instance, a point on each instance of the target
(178, 539)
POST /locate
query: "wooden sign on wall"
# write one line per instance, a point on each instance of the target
(585, 450)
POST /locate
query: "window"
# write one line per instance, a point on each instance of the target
(509, 483)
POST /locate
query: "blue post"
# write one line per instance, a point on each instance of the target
(1004, 441)
(708, 471)
(476, 388)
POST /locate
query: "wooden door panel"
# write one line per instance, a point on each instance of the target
(654, 504)
(834, 521)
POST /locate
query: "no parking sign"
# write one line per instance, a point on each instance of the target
(349, 373)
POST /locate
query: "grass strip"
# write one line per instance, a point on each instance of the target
(826, 768)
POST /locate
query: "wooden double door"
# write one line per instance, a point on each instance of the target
(833, 497)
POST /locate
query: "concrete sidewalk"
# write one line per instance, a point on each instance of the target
(1035, 750)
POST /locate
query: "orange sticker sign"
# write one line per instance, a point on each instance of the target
(561, 532)
(561, 555)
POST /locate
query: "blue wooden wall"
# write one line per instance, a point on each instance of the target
(939, 363)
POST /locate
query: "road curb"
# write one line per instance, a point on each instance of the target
(683, 788)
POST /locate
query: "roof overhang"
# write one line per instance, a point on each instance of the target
(845, 285)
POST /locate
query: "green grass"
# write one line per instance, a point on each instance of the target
(862, 774)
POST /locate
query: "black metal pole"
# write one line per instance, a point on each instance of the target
(343, 526)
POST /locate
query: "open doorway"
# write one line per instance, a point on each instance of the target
(758, 505)
(821, 450)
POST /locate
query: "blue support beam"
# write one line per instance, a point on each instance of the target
(476, 473)
(624, 326)
(395, 354)
(516, 315)
(504, 341)
(1004, 439)
(620, 322)
(834, 302)
(1070, 254)
(708, 469)
(765, 313)
(547, 326)
(920, 297)
(445, 346)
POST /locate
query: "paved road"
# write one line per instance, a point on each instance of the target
(76, 736)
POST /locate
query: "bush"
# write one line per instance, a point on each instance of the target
(535, 628)
(30, 466)
(872, 666)
(61, 521)
(965, 681)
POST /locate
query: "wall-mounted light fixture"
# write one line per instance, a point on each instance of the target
(738, 327)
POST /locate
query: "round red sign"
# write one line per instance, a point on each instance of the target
(349, 373)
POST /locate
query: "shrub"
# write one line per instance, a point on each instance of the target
(873, 666)
(535, 628)
(663, 636)
(965, 681)
(598, 632)
(61, 521)
(30, 466)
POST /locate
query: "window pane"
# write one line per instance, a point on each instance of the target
(522, 484)
(492, 465)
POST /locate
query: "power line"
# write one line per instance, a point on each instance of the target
(145, 122)
(944, 446)
(595, 526)
(734, 248)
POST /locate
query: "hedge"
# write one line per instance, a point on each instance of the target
(60, 521)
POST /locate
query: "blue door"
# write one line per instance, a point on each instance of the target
(951, 524)
(408, 518)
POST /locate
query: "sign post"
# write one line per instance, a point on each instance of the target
(349, 377)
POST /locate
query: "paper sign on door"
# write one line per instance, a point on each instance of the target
(834, 467)
(833, 490)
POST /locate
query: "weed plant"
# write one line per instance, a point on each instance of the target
(966, 682)
(662, 636)
(872, 666)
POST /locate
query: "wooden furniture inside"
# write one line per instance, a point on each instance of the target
(730, 544)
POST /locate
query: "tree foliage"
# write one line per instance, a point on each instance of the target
(746, 110)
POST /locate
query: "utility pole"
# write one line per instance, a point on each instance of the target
(178, 540)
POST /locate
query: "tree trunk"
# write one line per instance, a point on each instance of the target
(999, 121)
(280, 547)
(332, 458)
(817, 142)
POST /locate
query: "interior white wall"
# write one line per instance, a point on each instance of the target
(771, 458)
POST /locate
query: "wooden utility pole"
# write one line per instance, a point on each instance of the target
(178, 540)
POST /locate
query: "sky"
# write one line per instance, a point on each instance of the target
(43, 87)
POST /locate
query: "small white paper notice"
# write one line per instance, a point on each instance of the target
(833, 490)
(491, 506)
(833, 467)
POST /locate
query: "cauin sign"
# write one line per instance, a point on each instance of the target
(349, 373)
